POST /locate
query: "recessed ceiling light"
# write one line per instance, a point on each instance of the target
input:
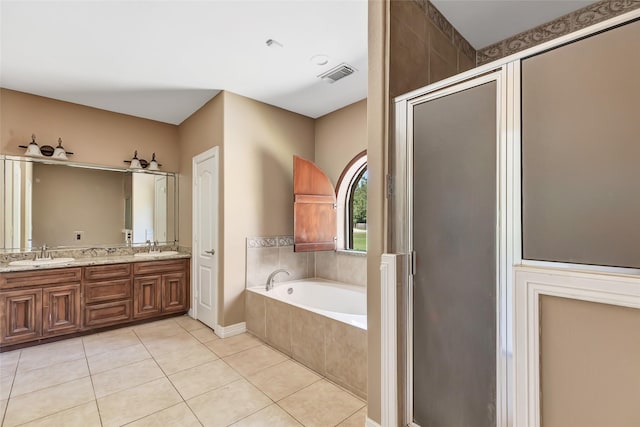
(320, 59)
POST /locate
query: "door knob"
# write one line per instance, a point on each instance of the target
(211, 252)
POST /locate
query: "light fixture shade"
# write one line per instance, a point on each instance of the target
(59, 153)
(153, 164)
(32, 148)
(135, 162)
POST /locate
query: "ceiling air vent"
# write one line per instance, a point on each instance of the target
(336, 73)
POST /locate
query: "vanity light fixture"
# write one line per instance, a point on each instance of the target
(135, 162)
(32, 149)
(153, 164)
(59, 153)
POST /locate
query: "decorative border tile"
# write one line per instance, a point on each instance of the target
(285, 241)
(262, 242)
(269, 242)
(566, 24)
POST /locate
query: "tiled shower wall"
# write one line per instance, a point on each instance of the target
(267, 254)
(345, 267)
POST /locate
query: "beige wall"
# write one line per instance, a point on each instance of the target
(339, 137)
(257, 143)
(58, 213)
(377, 128)
(260, 141)
(95, 136)
(203, 130)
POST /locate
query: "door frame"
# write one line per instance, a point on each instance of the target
(210, 153)
(504, 344)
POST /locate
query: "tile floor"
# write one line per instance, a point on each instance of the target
(173, 372)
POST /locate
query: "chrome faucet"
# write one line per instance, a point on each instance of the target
(43, 252)
(272, 276)
(153, 246)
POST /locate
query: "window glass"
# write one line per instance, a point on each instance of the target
(357, 230)
(351, 197)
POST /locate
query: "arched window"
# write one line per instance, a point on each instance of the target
(351, 197)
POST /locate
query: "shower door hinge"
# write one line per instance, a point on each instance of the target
(389, 186)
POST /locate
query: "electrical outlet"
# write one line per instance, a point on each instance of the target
(78, 235)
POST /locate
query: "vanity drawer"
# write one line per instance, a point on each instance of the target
(107, 313)
(158, 267)
(111, 271)
(19, 279)
(107, 290)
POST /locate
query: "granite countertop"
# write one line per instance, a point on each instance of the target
(92, 260)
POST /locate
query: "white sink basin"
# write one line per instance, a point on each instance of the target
(155, 254)
(39, 262)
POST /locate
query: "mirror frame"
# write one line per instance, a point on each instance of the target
(44, 160)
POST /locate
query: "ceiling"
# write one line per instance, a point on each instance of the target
(485, 22)
(163, 60)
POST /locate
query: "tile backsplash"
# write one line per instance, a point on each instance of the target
(98, 251)
(267, 254)
(345, 267)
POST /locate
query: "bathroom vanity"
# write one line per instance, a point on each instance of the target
(39, 304)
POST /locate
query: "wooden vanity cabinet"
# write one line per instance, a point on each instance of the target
(60, 309)
(44, 303)
(107, 294)
(37, 304)
(21, 315)
(147, 293)
(160, 287)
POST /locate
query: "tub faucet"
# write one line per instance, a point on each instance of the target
(272, 276)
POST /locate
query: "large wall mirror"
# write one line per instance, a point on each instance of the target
(71, 205)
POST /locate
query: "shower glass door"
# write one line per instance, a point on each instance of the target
(455, 284)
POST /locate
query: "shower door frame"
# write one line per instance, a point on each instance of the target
(504, 149)
(513, 400)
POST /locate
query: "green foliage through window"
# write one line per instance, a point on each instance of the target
(358, 213)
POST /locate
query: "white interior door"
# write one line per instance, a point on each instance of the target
(205, 237)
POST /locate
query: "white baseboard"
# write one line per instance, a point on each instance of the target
(370, 423)
(231, 330)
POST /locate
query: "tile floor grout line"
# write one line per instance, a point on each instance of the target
(93, 387)
(351, 415)
(289, 413)
(53, 413)
(13, 380)
(129, 388)
(194, 413)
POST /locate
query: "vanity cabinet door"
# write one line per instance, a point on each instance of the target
(61, 309)
(147, 296)
(174, 292)
(21, 318)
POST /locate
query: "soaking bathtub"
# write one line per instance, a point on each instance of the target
(345, 303)
(319, 323)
